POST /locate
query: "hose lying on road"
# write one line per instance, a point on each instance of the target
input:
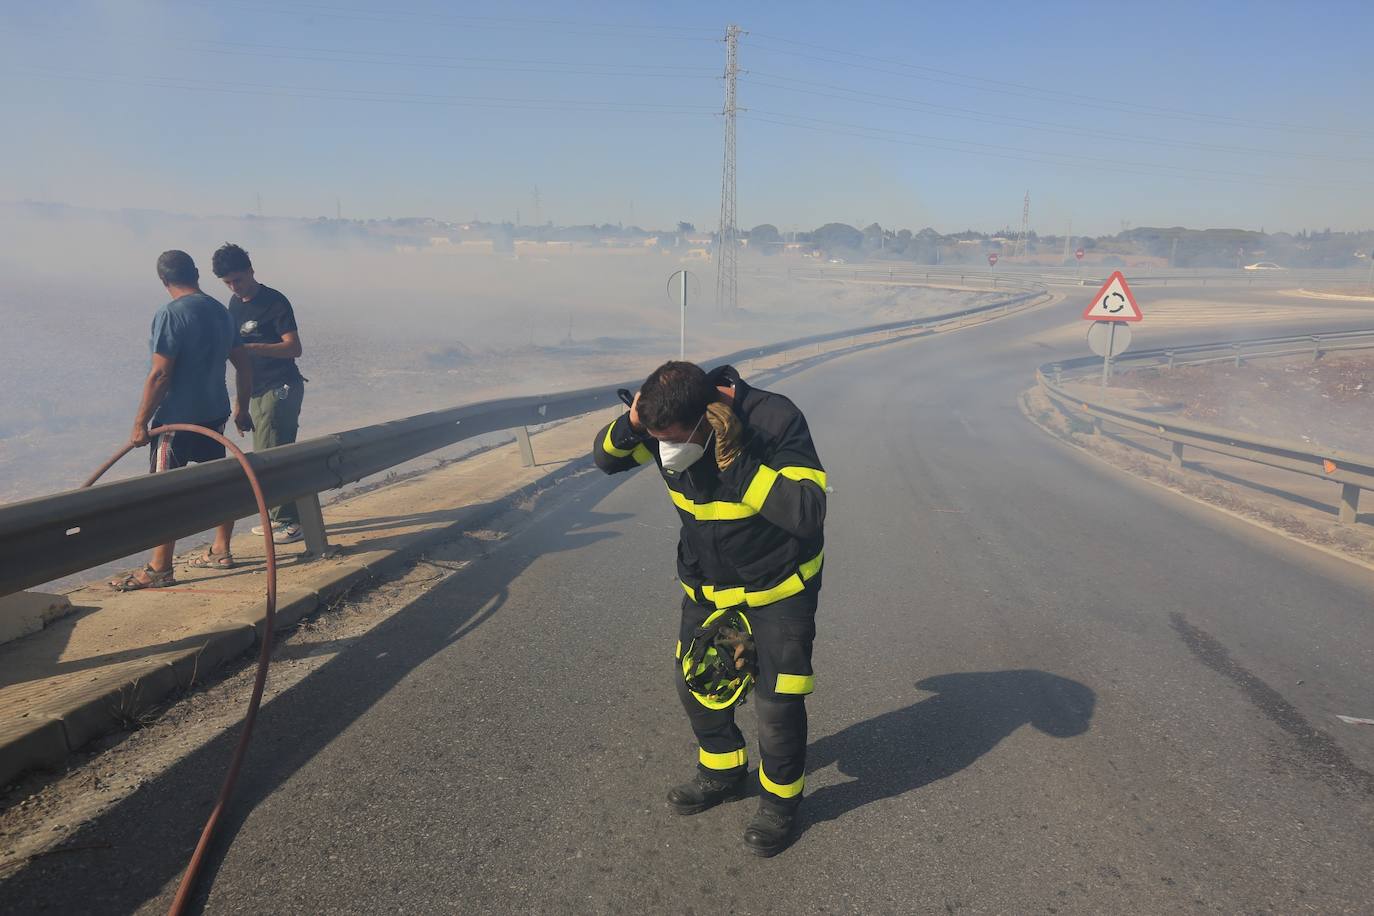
(188, 880)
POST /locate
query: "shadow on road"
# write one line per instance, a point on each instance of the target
(132, 853)
(971, 712)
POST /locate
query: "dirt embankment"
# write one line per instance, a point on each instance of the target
(1329, 402)
(1325, 403)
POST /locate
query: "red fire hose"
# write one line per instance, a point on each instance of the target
(188, 880)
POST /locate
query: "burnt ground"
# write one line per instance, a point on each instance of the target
(1329, 402)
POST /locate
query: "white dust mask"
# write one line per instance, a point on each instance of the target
(677, 457)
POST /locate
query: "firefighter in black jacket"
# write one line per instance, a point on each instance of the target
(746, 481)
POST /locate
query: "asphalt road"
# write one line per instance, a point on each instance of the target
(1042, 687)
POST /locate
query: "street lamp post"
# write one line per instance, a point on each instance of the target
(683, 276)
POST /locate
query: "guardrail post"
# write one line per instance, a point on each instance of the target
(1350, 503)
(1316, 348)
(1058, 374)
(312, 525)
(522, 435)
(1236, 347)
(1176, 454)
(1170, 354)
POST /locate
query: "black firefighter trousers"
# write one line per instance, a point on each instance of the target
(783, 634)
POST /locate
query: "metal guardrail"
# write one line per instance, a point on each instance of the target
(1353, 471)
(49, 537)
(1090, 275)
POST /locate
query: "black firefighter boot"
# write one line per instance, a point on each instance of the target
(770, 829)
(704, 792)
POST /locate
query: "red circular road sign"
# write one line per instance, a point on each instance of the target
(1079, 254)
(992, 259)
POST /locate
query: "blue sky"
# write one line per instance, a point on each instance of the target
(912, 114)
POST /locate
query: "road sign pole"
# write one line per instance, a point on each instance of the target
(1107, 360)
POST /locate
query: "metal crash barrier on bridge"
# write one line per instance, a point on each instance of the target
(1352, 471)
(53, 536)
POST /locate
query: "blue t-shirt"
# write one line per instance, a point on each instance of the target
(197, 332)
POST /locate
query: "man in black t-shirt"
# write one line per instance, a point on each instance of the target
(267, 325)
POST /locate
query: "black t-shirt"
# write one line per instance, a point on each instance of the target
(264, 319)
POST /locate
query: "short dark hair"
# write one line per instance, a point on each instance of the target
(175, 268)
(228, 259)
(674, 393)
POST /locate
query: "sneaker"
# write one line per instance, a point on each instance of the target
(287, 534)
(257, 529)
(769, 831)
(704, 792)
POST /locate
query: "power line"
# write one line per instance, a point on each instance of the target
(902, 103)
(367, 95)
(968, 81)
(563, 26)
(1021, 155)
(493, 65)
(1069, 157)
(407, 55)
(409, 59)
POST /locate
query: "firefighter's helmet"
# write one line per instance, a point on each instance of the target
(719, 663)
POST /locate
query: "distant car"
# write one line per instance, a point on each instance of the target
(1264, 265)
(836, 260)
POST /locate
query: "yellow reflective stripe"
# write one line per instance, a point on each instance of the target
(727, 761)
(754, 495)
(800, 473)
(723, 597)
(757, 491)
(795, 683)
(677, 653)
(641, 454)
(691, 592)
(791, 790)
(711, 512)
(608, 446)
(792, 585)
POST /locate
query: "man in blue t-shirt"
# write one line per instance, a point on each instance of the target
(192, 337)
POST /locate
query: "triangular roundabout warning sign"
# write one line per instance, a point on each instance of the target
(1114, 302)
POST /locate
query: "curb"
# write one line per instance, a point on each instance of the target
(47, 739)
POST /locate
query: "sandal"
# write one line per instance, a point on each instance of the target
(212, 560)
(147, 577)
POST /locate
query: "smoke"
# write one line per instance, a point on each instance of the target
(392, 322)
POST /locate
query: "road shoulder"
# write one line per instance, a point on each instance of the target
(1284, 517)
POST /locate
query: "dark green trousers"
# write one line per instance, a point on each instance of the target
(275, 422)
